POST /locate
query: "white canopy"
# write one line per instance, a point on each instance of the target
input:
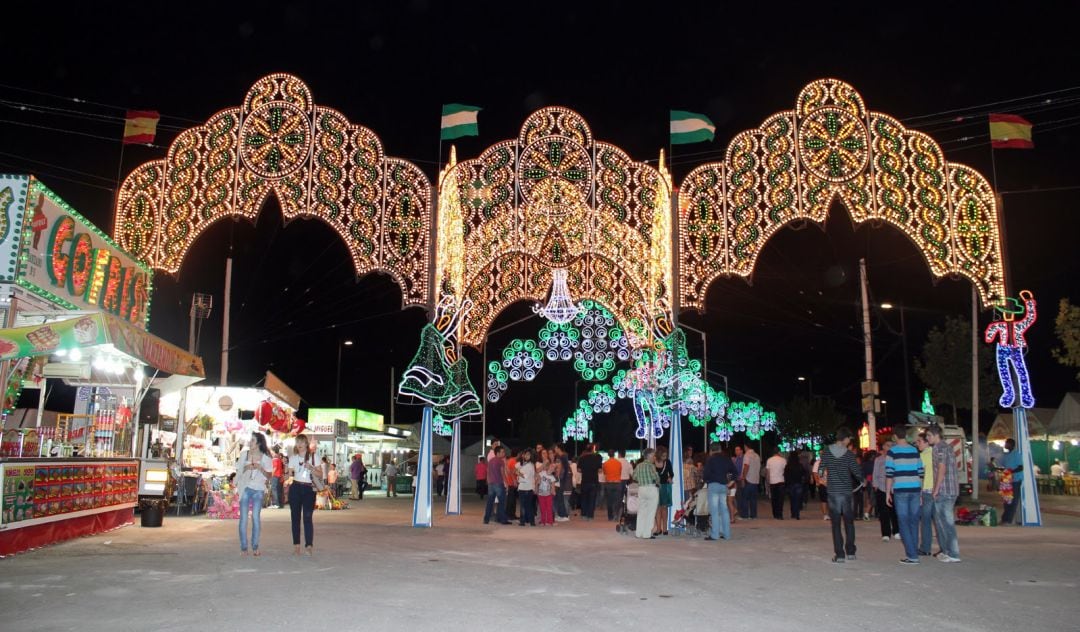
(1066, 422)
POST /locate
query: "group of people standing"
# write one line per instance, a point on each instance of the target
(920, 490)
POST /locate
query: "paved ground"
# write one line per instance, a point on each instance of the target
(372, 571)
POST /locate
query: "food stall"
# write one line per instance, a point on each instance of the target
(75, 309)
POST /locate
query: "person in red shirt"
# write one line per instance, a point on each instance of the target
(276, 479)
(481, 477)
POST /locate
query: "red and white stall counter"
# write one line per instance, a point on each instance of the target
(50, 500)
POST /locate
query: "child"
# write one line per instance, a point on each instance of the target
(546, 494)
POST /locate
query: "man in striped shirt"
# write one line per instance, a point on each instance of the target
(903, 481)
(840, 471)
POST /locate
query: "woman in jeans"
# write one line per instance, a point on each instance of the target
(253, 468)
(795, 479)
(301, 494)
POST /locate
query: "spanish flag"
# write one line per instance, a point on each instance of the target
(140, 127)
(1009, 131)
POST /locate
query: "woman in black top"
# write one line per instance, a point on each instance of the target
(664, 469)
(795, 479)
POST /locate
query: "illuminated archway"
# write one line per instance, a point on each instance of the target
(554, 198)
(317, 164)
(830, 147)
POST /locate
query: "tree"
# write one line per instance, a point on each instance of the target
(945, 367)
(802, 417)
(614, 431)
(535, 427)
(1067, 328)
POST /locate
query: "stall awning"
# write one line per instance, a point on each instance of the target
(64, 332)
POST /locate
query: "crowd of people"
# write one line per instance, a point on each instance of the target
(910, 487)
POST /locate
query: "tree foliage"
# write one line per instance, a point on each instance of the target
(945, 367)
(802, 417)
(535, 427)
(1067, 328)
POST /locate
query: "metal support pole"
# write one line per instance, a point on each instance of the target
(974, 393)
(225, 322)
(907, 379)
(337, 381)
(871, 419)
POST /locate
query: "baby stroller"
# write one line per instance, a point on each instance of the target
(693, 518)
(627, 519)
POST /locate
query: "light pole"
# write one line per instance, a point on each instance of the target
(885, 410)
(809, 385)
(704, 369)
(903, 339)
(337, 382)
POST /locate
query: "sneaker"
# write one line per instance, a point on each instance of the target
(838, 560)
(884, 538)
(909, 561)
(826, 518)
(951, 560)
(851, 558)
(896, 536)
(924, 554)
(866, 516)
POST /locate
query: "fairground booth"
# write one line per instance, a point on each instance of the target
(75, 308)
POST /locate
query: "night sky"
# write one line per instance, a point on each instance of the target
(390, 65)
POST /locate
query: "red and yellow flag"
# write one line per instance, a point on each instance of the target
(140, 127)
(1009, 131)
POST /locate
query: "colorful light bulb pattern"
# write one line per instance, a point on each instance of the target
(1009, 332)
(927, 405)
(593, 339)
(437, 376)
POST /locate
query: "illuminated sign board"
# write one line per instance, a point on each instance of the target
(12, 204)
(356, 418)
(69, 261)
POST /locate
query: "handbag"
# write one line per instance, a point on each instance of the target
(317, 482)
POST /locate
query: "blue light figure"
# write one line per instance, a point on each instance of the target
(1009, 334)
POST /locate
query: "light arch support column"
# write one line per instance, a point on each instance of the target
(831, 148)
(318, 165)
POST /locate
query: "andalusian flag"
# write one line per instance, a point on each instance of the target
(1009, 131)
(688, 127)
(459, 120)
(140, 127)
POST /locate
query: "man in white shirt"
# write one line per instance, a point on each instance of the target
(1056, 469)
(774, 468)
(751, 477)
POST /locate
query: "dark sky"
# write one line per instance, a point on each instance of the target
(390, 66)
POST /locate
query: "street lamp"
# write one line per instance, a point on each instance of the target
(337, 382)
(885, 410)
(903, 338)
(809, 385)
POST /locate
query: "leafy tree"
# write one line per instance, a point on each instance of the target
(614, 431)
(945, 367)
(801, 416)
(535, 427)
(1067, 328)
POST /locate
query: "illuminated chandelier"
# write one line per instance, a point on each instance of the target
(559, 309)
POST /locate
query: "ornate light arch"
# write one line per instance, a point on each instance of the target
(317, 164)
(553, 198)
(830, 148)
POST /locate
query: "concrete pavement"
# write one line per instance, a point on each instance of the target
(371, 570)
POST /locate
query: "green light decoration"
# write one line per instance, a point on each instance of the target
(790, 444)
(593, 339)
(436, 376)
(927, 407)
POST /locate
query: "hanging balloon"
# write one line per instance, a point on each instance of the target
(234, 424)
(298, 426)
(264, 412)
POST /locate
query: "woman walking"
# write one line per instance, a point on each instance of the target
(301, 493)
(253, 468)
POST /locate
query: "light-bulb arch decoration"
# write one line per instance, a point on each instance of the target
(318, 165)
(831, 148)
(554, 198)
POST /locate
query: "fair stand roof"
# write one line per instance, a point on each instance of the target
(1066, 421)
(1004, 428)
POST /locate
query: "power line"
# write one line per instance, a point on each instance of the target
(986, 105)
(78, 100)
(70, 131)
(54, 166)
(90, 116)
(59, 177)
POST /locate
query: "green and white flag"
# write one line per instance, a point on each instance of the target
(459, 120)
(688, 127)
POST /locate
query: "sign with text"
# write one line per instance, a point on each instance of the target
(12, 207)
(71, 262)
(355, 418)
